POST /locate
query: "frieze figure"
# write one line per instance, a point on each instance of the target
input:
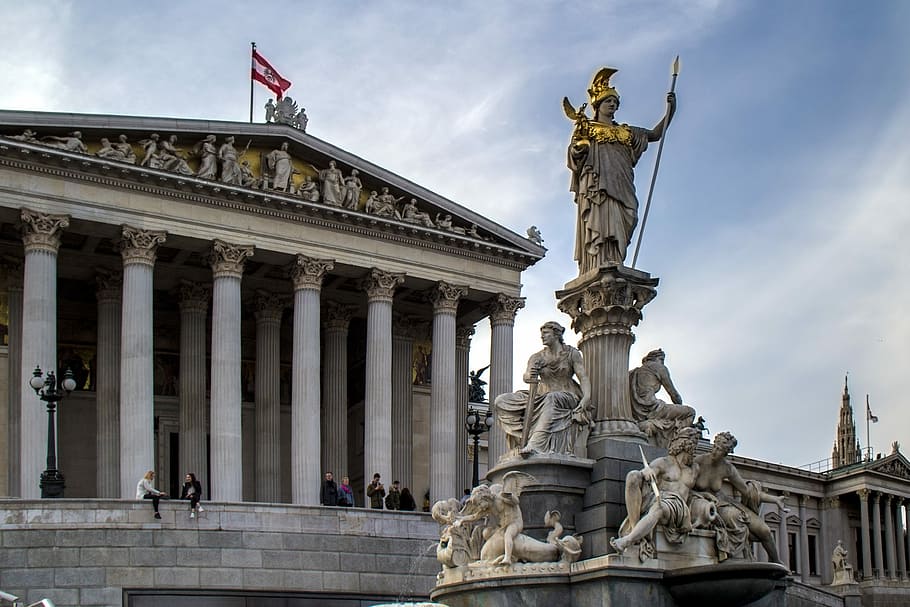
(411, 214)
(279, 162)
(230, 169)
(208, 158)
(352, 188)
(28, 136)
(150, 156)
(548, 417)
(309, 190)
(123, 146)
(247, 178)
(71, 142)
(656, 418)
(602, 157)
(171, 157)
(108, 152)
(382, 204)
(332, 181)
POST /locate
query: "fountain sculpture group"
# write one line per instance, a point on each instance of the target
(601, 497)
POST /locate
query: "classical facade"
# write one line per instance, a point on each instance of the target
(256, 314)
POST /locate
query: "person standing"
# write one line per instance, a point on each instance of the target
(345, 493)
(328, 495)
(145, 490)
(407, 500)
(192, 490)
(393, 499)
(375, 491)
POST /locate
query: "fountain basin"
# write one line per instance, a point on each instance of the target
(725, 585)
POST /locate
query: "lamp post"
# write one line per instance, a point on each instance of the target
(476, 424)
(52, 483)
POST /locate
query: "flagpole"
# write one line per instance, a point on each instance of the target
(868, 429)
(252, 50)
(660, 149)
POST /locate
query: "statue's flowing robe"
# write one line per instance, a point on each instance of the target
(603, 181)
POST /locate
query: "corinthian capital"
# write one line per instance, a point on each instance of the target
(41, 231)
(445, 297)
(502, 308)
(381, 285)
(109, 285)
(140, 246)
(194, 296)
(337, 316)
(228, 259)
(463, 335)
(269, 306)
(308, 272)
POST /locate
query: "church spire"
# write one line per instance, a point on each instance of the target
(846, 448)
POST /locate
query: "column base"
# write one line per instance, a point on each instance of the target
(616, 429)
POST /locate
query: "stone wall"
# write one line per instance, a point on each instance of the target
(90, 552)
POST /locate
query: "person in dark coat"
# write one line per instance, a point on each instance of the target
(328, 495)
(393, 499)
(407, 500)
(376, 491)
(192, 490)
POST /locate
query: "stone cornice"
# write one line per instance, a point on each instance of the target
(42, 231)
(227, 259)
(140, 246)
(108, 173)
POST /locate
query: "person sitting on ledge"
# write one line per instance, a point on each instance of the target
(145, 490)
(192, 490)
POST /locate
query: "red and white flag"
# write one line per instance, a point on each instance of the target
(265, 74)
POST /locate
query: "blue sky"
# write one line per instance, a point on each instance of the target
(779, 218)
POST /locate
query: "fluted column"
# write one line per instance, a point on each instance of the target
(227, 262)
(13, 270)
(901, 537)
(377, 451)
(193, 299)
(803, 540)
(783, 538)
(890, 554)
(137, 389)
(831, 531)
(442, 393)
(41, 237)
(107, 383)
(269, 309)
(502, 310)
(462, 351)
(334, 440)
(877, 534)
(864, 529)
(402, 399)
(307, 275)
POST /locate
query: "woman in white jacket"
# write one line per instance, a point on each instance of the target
(145, 490)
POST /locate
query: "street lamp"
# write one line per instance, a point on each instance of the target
(476, 423)
(52, 483)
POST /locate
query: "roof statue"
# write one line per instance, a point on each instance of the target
(287, 112)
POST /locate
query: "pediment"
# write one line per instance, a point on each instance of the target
(432, 219)
(772, 518)
(895, 465)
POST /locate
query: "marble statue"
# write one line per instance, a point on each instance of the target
(247, 178)
(169, 155)
(150, 156)
(656, 418)
(208, 158)
(411, 214)
(352, 189)
(493, 515)
(301, 120)
(270, 110)
(738, 522)
(534, 235)
(309, 190)
(548, 417)
(286, 112)
(71, 142)
(28, 136)
(123, 146)
(332, 181)
(279, 162)
(472, 231)
(843, 571)
(383, 204)
(230, 168)
(109, 152)
(658, 494)
(444, 222)
(601, 157)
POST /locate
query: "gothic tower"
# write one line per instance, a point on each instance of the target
(846, 447)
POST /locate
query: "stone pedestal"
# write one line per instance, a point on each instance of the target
(561, 483)
(604, 306)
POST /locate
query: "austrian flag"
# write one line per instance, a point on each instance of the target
(265, 74)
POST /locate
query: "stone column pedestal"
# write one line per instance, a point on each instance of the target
(604, 307)
(560, 485)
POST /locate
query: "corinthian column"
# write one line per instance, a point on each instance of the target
(402, 399)
(462, 351)
(442, 394)
(864, 529)
(901, 537)
(502, 312)
(877, 534)
(193, 300)
(13, 271)
(137, 406)
(41, 236)
(377, 450)
(334, 441)
(227, 262)
(890, 554)
(269, 309)
(107, 383)
(305, 424)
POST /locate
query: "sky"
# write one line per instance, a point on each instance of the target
(779, 219)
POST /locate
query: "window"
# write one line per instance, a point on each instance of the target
(813, 555)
